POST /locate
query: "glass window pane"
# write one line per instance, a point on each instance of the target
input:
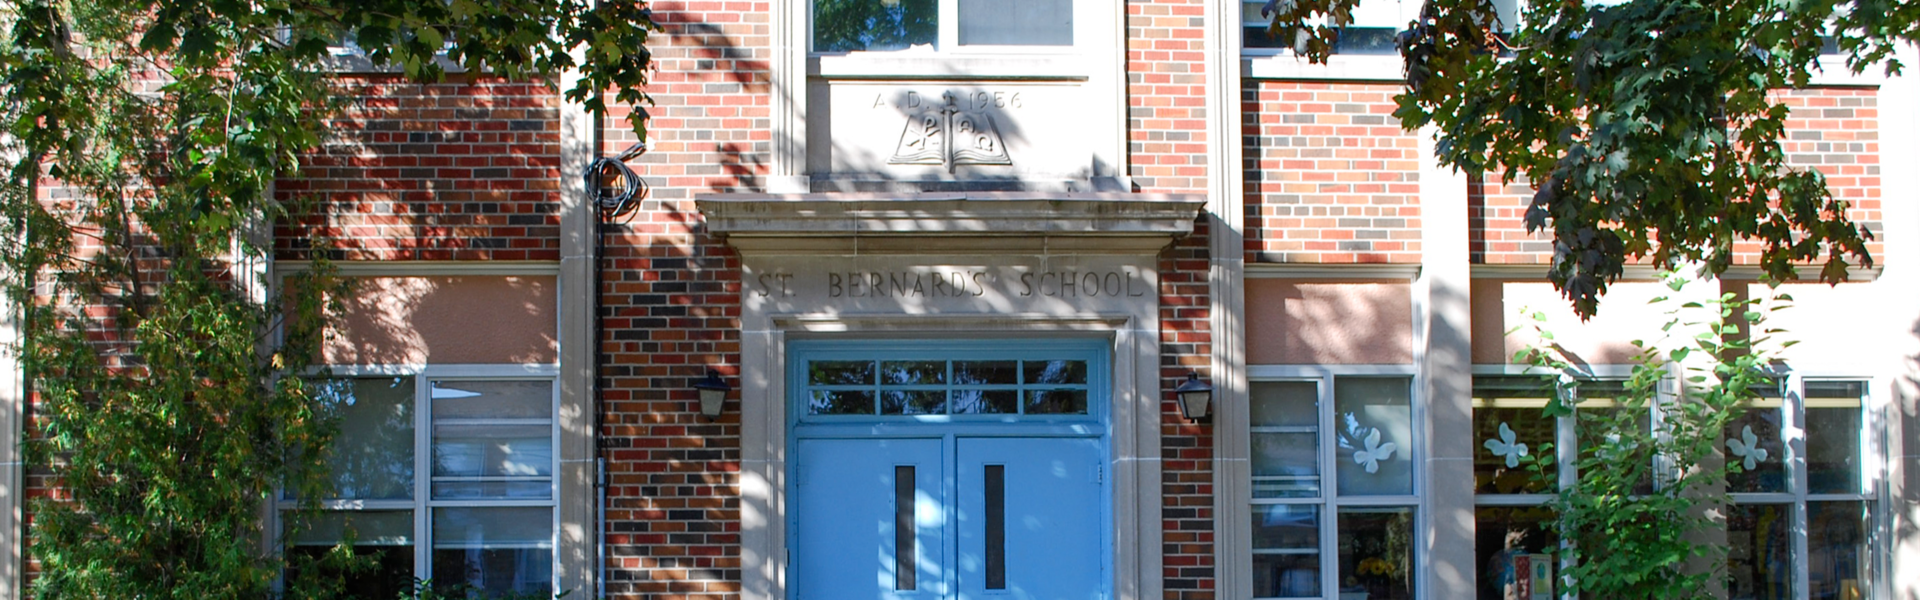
(1285, 465)
(1016, 22)
(1833, 444)
(1381, 13)
(896, 402)
(1072, 372)
(1593, 422)
(1514, 546)
(1284, 404)
(1759, 559)
(1286, 575)
(492, 399)
(492, 451)
(1752, 444)
(1286, 526)
(1509, 433)
(384, 539)
(1376, 553)
(370, 528)
(1375, 22)
(1057, 402)
(850, 25)
(986, 372)
(1373, 429)
(920, 372)
(1837, 550)
(538, 489)
(493, 550)
(840, 372)
(826, 402)
(983, 402)
(372, 456)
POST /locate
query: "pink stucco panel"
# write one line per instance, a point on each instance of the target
(1295, 322)
(446, 320)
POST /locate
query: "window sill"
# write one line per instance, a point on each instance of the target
(935, 66)
(1339, 67)
(350, 62)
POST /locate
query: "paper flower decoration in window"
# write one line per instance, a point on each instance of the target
(1748, 448)
(1374, 452)
(1506, 447)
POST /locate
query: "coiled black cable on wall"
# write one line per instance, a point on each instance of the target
(616, 191)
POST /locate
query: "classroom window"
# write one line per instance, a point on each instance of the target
(461, 493)
(1350, 534)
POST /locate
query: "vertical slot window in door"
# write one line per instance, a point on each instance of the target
(904, 553)
(995, 488)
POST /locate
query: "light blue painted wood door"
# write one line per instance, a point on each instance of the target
(1044, 540)
(1020, 518)
(854, 497)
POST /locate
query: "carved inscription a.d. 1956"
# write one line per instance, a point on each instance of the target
(959, 130)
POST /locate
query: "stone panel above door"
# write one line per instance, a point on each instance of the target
(961, 135)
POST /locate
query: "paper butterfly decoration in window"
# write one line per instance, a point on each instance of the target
(1506, 447)
(1748, 448)
(1374, 452)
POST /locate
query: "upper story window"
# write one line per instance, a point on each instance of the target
(883, 25)
(1375, 23)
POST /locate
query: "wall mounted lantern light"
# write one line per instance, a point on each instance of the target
(713, 394)
(1196, 397)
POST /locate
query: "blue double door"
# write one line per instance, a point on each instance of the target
(951, 517)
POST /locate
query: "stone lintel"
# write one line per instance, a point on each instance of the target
(973, 222)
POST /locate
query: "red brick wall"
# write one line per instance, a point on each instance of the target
(1186, 345)
(671, 304)
(1331, 177)
(1167, 145)
(1166, 99)
(1496, 216)
(1835, 130)
(468, 169)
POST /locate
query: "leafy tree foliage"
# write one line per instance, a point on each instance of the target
(1645, 489)
(142, 139)
(1649, 128)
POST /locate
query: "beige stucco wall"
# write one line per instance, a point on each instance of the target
(1503, 322)
(446, 320)
(1295, 322)
(1837, 328)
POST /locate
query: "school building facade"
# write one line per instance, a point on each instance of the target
(946, 263)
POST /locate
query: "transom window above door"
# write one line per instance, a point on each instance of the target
(881, 25)
(976, 379)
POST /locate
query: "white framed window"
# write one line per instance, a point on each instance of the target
(445, 475)
(885, 25)
(1364, 50)
(1514, 537)
(1334, 493)
(1804, 499)
(1375, 23)
(1801, 520)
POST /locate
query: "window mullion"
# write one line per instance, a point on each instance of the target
(422, 477)
(1794, 444)
(1329, 488)
(949, 39)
